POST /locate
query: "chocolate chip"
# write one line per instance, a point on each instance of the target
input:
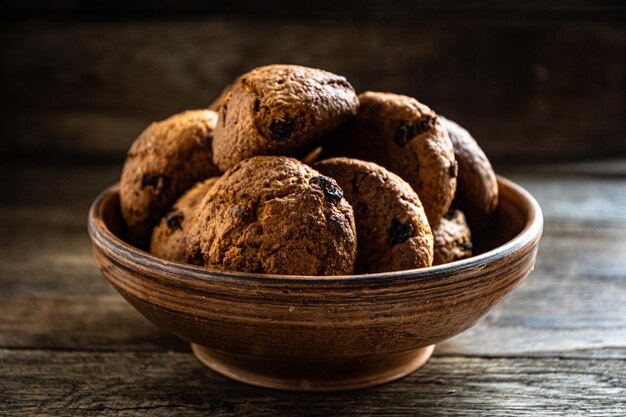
(281, 129)
(157, 181)
(332, 191)
(407, 131)
(400, 232)
(174, 220)
(453, 169)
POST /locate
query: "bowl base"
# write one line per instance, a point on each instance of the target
(320, 376)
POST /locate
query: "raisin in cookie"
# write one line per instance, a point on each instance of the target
(164, 161)
(169, 237)
(453, 239)
(392, 229)
(477, 189)
(407, 138)
(280, 110)
(275, 215)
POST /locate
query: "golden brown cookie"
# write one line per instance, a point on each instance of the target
(274, 215)
(280, 110)
(406, 137)
(453, 239)
(392, 229)
(169, 237)
(477, 189)
(164, 161)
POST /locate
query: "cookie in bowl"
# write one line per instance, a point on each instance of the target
(407, 138)
(274, 215)
(280, 110)
(477, 186)
(453, 238)
(392, 229)
(169, 237)
(165, 160)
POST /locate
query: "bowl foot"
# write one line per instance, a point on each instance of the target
(313, 376)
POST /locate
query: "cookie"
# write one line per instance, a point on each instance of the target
(164, 161)
(477, 188)
(169, 237)
(453, 239)
(274, 215)
(407, 138)
(280, 110)
(392, 229)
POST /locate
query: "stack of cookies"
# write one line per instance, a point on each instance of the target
(290, 172)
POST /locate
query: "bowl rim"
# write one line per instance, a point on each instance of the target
(532, 231)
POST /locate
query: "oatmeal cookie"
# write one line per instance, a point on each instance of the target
(280, 110)
(392, 229)
(407, 138)
(477, 189)
(164, 161)
(274, 215)
(169, 237)
(453, 239)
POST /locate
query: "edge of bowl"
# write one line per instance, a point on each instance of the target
(102, 237)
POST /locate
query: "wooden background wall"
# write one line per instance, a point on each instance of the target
(532, 81)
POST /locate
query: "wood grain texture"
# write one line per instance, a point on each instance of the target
(87, 88)
(162, 384)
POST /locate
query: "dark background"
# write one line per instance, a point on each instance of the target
(533, 81)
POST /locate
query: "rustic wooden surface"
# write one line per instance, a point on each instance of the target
(70, 345)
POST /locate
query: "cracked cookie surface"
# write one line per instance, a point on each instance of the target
(274, 215)
(169, 237)
(407, 138)
(165, 160)
(280, 110)
(453, 239)
(392, 229)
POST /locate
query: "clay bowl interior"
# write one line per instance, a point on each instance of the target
(320, 333)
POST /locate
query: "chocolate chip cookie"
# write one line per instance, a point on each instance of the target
(453, 239)
(392, 229)
(477, 189)
(169, 237)
(164, 161)
(407, 138)
(274, 215)
(280, 110)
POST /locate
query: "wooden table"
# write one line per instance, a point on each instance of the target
(70, 345)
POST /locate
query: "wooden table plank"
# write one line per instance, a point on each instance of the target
(122, 383)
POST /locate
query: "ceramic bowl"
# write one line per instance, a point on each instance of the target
(320, 333)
